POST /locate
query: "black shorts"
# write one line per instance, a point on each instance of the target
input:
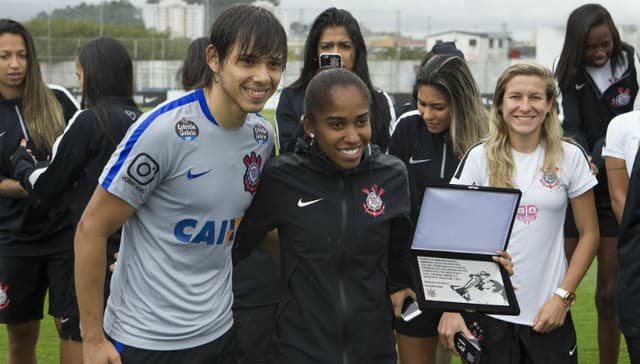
(255, 328)
(70, 320)
(606, 219)
(633, 347)
(425, 325)
(24, 282)
(503, 342)
(220, 351)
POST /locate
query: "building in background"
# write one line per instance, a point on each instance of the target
(180, 19)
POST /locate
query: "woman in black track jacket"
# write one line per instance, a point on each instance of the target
(341, 208)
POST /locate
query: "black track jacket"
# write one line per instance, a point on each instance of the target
(344, 242)
(29, 220)
(429, 158)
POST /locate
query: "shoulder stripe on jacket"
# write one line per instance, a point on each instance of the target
(458, 172)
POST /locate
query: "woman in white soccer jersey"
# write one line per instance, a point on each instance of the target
(525, 150)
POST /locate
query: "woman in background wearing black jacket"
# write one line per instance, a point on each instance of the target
(598, 78)
(105, 71)
(343, 226)
(333, 31)
(450, 119)
(35, 238)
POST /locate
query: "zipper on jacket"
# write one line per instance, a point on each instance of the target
(24, 127)
(444, 160)
(343, 296)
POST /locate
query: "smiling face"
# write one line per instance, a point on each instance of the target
(341, 126)
(336, 39)
(599, 46)
(244, 83)
(524, 106)
(434, 108)
(13, 65)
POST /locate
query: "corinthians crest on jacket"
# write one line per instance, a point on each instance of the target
(373, 204)
(252, 174)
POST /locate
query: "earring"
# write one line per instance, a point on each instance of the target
(312, 136)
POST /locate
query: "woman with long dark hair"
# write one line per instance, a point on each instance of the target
(598, 78)
(449, 119)
(105, 71)
(35, 237)
(333, 31)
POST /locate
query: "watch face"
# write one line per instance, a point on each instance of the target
(570, 298)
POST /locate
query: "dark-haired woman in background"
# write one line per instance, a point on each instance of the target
(35, 238)
(449, 119)
(195, 72)
(333, 31)
(598, 78)
(105, 71)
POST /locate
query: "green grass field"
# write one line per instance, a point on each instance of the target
(584, 316)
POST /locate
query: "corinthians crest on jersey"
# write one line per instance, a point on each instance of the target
(252, 175)
(373, 203)
(550, 179)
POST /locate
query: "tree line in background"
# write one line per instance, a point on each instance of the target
(60, 33)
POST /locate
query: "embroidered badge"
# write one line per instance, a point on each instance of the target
(252, 175)
(527, 213)
(550, 179)
(373, 204)
(623, 98)
(187, 130)
(4, 297)
(260, 134)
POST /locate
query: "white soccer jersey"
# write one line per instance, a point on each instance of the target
(190, 181)
(537, 239)
(623, 138)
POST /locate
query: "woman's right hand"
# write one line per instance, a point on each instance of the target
(10, 188)
(450, 324)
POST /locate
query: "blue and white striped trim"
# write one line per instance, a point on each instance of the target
(194, 96)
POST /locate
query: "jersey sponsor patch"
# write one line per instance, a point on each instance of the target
(143, 169)
(212, 232)
(260, 134)
(4, 296)
(527, 214)
(252, 174)
(550, 179)
(187, 130)
(373, 204)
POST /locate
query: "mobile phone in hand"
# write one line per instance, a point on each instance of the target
(469, 350)
(330, 60)
(410, 309)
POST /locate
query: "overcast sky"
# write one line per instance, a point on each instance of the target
(416, 17)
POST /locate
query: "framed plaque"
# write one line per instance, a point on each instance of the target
(458, 231)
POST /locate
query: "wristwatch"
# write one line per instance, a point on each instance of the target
(569, 298)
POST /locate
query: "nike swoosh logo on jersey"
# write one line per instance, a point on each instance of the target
(191, 175)
(64, 319)
(307, 203)
(580, 85)
(573, 351)
(416, 161)
(3, 133)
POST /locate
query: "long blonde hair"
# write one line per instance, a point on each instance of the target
(41, 111)
(498, 146)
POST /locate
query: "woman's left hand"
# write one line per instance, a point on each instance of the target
(550, 316)
(505, 260)
(398, 297)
